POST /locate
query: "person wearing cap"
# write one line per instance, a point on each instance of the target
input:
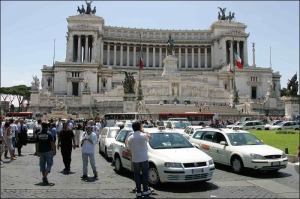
(65, 139)
(88, 142)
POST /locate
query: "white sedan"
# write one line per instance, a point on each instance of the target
(285, 125)
(107, 136)
(172, 158)
(238, 149)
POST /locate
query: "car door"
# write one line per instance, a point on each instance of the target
(126, 157)
(196, 139)
(286, 126)
(102, 139)
(120, 148)
(220, 151)
(206, 143)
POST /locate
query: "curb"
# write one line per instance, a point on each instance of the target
(292, 158)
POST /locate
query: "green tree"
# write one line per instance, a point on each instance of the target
(21, 92)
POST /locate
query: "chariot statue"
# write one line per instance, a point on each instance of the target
(222, 15)
(88, 9)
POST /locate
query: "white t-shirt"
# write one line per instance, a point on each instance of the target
(70, 126)
(13, 129)
(37, 127)
(137, 144)
(87, 146)
(98, 124)
(59, 126)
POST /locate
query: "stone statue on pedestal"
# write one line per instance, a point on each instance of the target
(35, 84)
(129, 82)
(60, 107)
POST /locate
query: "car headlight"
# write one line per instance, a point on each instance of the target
(173, 165)
(283, 155)
(211, 162)
(254, 156)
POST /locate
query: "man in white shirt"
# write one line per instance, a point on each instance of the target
(88, 143)
(59, 125)
(137, 145)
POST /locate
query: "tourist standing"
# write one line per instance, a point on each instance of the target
(59, 126)
(53, 132)
(2, 140)
(21, 136)
(78, 130)
(36, 129)
(65, 139)
(137, 145)
(14, 130)
(45, 149)
(88, 142)
(7, 133)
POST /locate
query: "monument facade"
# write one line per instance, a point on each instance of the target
(195, 65)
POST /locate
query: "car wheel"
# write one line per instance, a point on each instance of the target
(237, 165)
(153, 176)
(259, 129)
(118, 164)
(279, 129)
(296, 129)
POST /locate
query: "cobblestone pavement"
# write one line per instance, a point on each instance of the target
(21, 179)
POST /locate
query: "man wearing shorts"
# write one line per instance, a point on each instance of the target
(45, 149)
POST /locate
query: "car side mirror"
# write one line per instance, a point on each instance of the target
(223, 143)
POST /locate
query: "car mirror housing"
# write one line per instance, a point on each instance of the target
(223, 143)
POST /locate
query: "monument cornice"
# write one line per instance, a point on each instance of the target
(227, 24)
(106, 28)
(86, 18)
(121, 40)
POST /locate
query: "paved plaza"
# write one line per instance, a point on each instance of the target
(21, 179)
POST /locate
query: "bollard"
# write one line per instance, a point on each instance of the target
(286, 150)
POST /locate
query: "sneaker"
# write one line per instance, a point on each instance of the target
(96, 175)
(138, 194)
(45, 181)
(1, 162)
(84, 176)
(146, 193)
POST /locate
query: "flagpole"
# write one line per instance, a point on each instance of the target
(270, 59)
(54, 52)
(140, 91)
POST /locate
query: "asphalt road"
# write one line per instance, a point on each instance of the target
(21, 179)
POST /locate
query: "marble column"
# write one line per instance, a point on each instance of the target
(245, 54)
(212, 56)
(179, 57)
(101, 54)
(153, 61)
(205, 56)
(231, 55)
(108, 54)
(134, 55)
(71, 46)
(186, 57)
(86, 50)
(94, 48)
(238, 47)
(199, 56)
(193, 57)
(147, 54)
(160, 56)
(79, 49)
(127, 54)
(121, 55)
(115, 54)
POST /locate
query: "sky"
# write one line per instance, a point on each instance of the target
(29, 28)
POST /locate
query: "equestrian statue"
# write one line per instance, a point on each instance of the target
(222, 15)
(88, 8)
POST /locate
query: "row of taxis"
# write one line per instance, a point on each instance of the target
(188, 156)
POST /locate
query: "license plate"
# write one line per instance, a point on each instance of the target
(197, 171)
(275, 164)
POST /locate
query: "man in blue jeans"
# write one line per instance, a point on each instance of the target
(137, 144)
(45, 149)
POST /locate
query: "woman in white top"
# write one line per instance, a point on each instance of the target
(2, 141)
(8, 138)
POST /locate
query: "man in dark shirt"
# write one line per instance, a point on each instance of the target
(65, 139)
(45, 149)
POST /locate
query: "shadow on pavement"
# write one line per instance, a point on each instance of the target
(42, 184)
(255, 173)
(89, 179)
(186, 187)
(67, 173)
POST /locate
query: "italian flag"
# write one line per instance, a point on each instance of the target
(141, 58)
(238, 60)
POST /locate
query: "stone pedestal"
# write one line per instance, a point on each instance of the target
(34, 98)
(86, 98)
(170, 67)
(58, 114)
(129, 104)
(271, 102)
(291, 106)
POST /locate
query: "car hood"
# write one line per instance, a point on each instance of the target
(260, 149)
(109, 141)
(30, 131)
(180, 155)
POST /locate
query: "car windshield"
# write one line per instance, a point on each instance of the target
(242, 124)
(243, 139)
(112, 133)
(181, 125)
(30, 125)
(169, 141)
(280, 123)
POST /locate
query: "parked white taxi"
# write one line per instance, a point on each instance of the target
(238, 149)
(107, 136)
(172, 158)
